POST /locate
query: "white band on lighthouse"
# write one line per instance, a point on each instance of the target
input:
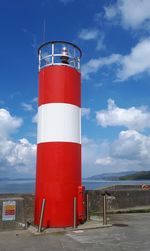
(59, 122)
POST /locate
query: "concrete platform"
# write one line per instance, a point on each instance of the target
(94, 223)
(129, 232)
(139, 209)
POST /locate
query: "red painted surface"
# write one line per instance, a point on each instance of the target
(81, 204)
(58, 172)
(57, 179)
(59, 84)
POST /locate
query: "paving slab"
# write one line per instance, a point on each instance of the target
(129, 232)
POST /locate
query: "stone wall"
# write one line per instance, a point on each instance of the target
(119, 199)
(122, 197)
(24, 211)
(29, 207)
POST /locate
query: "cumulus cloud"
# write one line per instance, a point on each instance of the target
(131, 151)
(92, 150)
(16, 156)
(131, 14)
(100, 42)
(35, 118)
(8, 124)
(89, 149)
(94, 65)
(104, 161)
(111, 11)
(27, 107)
(132, 145)
(88, 34)
(93, 34)
(132, 118)
(86, 112)
(20, 156)
(135, 63)
(34, 100)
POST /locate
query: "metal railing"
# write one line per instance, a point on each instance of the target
(59, 53)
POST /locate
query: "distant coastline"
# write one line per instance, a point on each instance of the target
(121, 176)
(17, 179)
(142, 175)
(27, 186)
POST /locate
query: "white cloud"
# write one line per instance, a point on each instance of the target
(88, 34)
(136, 62)
(93, 34)
(100, 43)
(110, 11)
(35, 118)
(132, 14)
(94, 65)
(104, 161)
(133, 146)
(91, 151)
(27, 107)
(34, 100)
(86, 112)
(8, 123)
(15, 156)
(20, 156)
(131, 151)
(132, 118)
(119, 165)
(97, 158)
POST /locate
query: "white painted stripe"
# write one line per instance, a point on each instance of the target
(59, 122)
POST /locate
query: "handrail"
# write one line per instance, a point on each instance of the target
(60, 42)
(59, 53)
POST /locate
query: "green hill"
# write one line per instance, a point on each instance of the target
(143, 175)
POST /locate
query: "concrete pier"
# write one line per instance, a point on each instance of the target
(129, 232)
(122, 199)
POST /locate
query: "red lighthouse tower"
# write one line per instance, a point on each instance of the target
(58, 172)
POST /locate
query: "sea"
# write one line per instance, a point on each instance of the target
(28, 186)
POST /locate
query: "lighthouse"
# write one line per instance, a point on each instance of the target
(58, 168)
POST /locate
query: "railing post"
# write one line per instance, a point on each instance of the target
(74, 212)
(41, 215)
(105, 194)
(53, 48)
(104, 210)
(39, 58)
(87, 207)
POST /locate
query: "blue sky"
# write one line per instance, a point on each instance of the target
(115, 40)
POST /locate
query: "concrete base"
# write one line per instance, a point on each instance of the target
(91, 224)
(135, 236)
